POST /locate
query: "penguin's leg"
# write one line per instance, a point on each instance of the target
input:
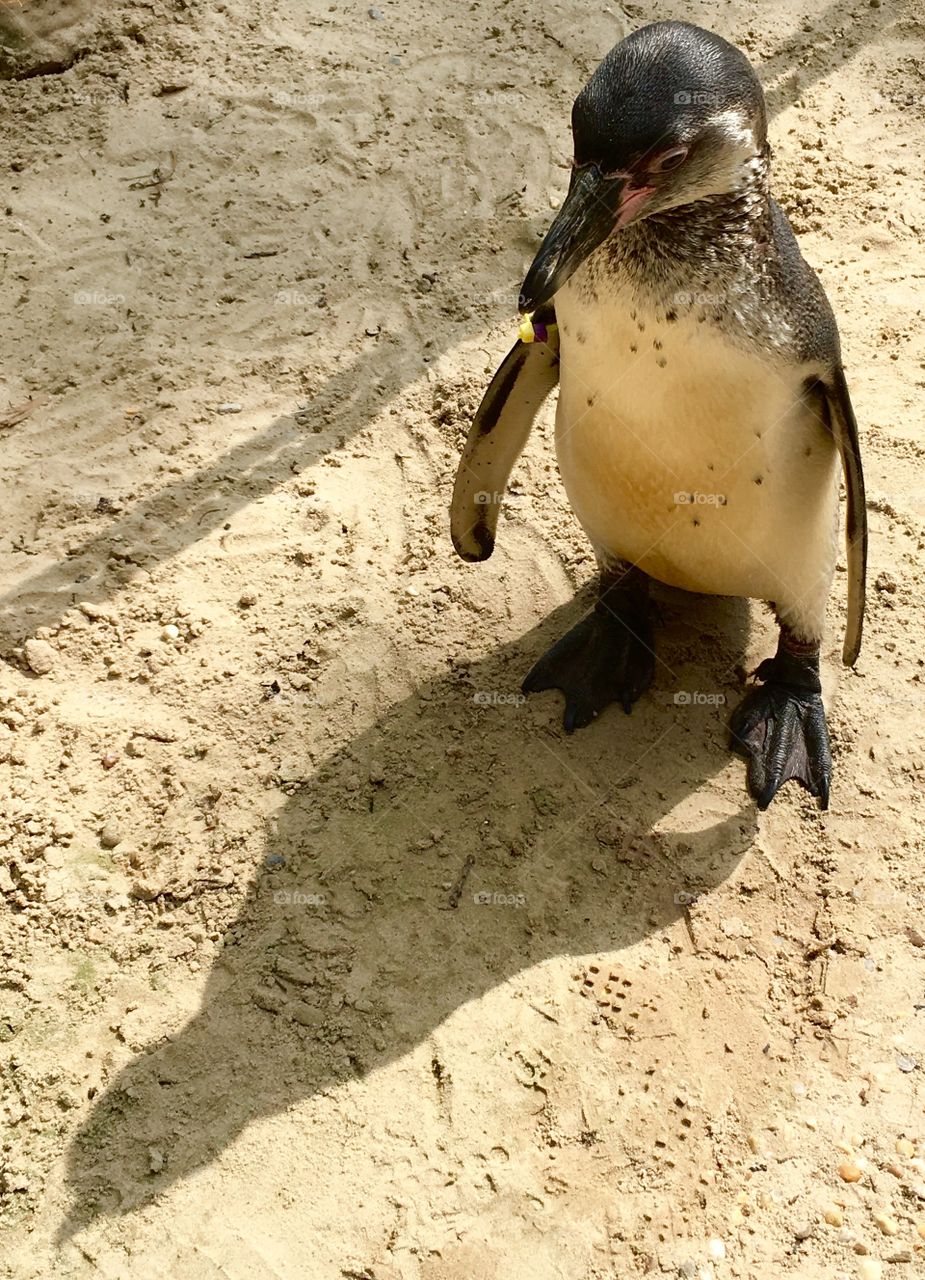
(780, 727)
(608, 657)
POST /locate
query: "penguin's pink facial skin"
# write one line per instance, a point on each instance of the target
(630, 207)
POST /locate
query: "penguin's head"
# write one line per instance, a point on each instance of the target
(674, 114)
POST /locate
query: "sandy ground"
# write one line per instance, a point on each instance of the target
(322, 954)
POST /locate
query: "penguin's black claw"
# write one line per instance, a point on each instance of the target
(605, 658)
(783, 733)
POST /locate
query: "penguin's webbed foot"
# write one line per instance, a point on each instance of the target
(781, 729)
(607, 657)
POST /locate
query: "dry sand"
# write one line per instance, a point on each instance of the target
(256, 1018)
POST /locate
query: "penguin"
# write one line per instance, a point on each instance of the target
(703, 415)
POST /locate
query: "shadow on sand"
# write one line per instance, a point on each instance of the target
(350, 949)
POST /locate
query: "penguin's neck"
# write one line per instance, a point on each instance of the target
(719, 239)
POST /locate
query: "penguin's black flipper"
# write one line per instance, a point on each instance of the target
(781, 729)
(499, 432)
(844, 428)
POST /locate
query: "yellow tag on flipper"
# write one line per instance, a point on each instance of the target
(526, 328)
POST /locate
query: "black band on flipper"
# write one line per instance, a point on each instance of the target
(798, 672)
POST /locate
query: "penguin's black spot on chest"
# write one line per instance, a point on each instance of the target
(633, 347)
(657, 344)
(581, 338)
(661, 362)
(671, 316)
(590, 401)
(641, 326)
(759, 479)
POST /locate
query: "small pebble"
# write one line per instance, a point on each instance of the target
(804, 1231)
(870, 1269)
(40, 656)
(887, 1224)
(111, 835)
(247, 600)
(155, 1160)
(716, 1248)
(377, 15)
(109, 759)
(170, 632)
(906, 1063)
(904, 1147)
(848, 1171)
(915, 936)
(228, 408)
(833, 1215)
(899, 1255)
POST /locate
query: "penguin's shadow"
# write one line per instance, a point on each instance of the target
(476, 839)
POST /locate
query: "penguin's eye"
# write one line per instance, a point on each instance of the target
(668, 160)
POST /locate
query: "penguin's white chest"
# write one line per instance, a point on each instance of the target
(697, 460)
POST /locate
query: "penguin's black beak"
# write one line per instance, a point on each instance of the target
(594, 207)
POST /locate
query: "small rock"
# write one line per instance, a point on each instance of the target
(94, 611)
(887, 1224)
(899, 1255)
(170, 632)
(111, 835)
(833, 1215)
(906, 1062)
(915, 936)
(228, 408)
(156, 1160)
(870, 1269)
(804, 1231)
(247, 600)
(40, 656)
(716, 1248)
(109, 759)
(904, 1147)
(377, 15)
(848, 1171)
